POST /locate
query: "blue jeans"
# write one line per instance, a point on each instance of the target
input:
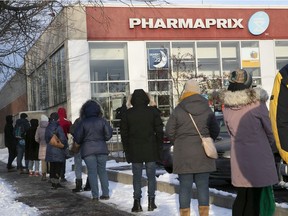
(185, 189)
(96, 166)
(20, 155)
(137, 176)
(31, 164)
(78, 165)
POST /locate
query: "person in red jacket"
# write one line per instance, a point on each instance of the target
(65, 124)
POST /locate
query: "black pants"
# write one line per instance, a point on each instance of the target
(63, 170)
(55, 169)
(247, 202)
(12, 155)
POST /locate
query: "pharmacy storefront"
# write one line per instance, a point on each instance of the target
(158, 49)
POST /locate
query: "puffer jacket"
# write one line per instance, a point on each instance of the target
(93, 131)
(54, 154)
(40, 138)
(141, 130)
(247, 119)
(188, 152)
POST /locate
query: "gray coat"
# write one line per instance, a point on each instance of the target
(247, 119)
(188, 153)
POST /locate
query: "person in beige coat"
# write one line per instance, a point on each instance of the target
(40, 138)
(252, 161)
(189, 159)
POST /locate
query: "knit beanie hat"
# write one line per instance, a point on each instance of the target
(54, 116)
(44, 118)
(239, 80)
(23, 115)
(192, 86)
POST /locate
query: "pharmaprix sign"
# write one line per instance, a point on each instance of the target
(181, 23)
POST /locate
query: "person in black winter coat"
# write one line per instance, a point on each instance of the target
(91, 134)
(54, 155)
(32, 148)
(142, 136)
(10, 141)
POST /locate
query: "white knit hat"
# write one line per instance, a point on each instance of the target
(192, 86)
(44, 118)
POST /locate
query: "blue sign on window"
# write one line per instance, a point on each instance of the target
(158, 58)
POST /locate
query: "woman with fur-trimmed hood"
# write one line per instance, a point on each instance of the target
(252, 162)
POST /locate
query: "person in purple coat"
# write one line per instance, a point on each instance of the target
(252, 161)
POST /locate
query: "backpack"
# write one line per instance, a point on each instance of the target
(19, 132)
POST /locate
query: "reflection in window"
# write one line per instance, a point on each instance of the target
(58, 77)
(208, 59)
(230, 52)
(44, 88)
(109, 75)
(281, 51)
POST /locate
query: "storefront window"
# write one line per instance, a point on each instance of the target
(58, 77)
(44, 88)
(208, 59)
(251, 60)
(159, 73)
(109, 75)
(230, 53)
(281, 52)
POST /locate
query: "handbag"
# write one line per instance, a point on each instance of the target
(56, 142)
(75, 147)
(207, 143)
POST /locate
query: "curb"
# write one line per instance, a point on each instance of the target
(215, 199)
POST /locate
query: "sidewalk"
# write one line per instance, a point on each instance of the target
(37, 193)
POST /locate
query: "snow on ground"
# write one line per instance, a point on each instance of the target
(121, 195)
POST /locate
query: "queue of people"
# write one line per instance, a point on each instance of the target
(245, 116)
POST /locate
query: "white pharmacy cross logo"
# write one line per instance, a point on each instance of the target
(258, 23)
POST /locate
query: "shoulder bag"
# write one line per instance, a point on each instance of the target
(207, 143)
(56, 142)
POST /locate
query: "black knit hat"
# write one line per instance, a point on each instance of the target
(23, 115)
(54, 116)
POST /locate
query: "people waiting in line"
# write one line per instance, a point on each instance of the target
(253, 167)
(55, 156)
(32, 148)
(40, 138)
(141, 130)
(10, 142)
(65, 124)
(21, 127)
(91, 134)
(78, 161)
(189, 159)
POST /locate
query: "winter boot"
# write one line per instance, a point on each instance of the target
(43, 178)
(203, 210)
(151, 203)
(185, 212)
(78, 186)
(87, 185)
(137, 206)
(54, 186)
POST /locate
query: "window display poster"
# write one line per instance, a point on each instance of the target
(158, 58)
(250, 57)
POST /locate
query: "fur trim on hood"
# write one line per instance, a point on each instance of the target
(243, 97)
